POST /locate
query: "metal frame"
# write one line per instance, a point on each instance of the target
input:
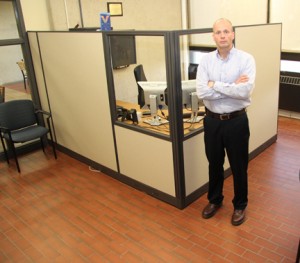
(24, 43)
(173, 77)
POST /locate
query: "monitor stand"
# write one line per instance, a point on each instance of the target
(155, 120)
(194, 118)
(195, 107)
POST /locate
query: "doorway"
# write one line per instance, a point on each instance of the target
(13, 49)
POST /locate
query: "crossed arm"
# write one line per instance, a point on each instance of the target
(240, 79)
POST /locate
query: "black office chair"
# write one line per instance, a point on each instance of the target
(140, 76)
(193, 70)
(19, 123)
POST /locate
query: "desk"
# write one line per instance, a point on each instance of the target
(163, 128)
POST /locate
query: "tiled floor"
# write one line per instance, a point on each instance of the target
(16, 91)
(60, 211)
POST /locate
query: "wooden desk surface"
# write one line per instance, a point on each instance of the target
(163, 128)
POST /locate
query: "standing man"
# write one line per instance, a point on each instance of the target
(225, 80)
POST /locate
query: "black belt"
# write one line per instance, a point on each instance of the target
(224, 116)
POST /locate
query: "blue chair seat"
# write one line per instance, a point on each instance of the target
(27, 134)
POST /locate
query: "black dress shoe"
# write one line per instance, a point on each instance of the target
(238, 217)
(210, 210)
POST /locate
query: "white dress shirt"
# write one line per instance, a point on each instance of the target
(226, 96)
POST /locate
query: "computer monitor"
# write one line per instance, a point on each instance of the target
(152, 88)
(187, 87)
(153, 98)
(123, 51)
(190, 100)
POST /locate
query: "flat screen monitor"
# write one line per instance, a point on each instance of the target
(153, 98)
(158, 89)
(123, 51)
(188, 87)
(153, 88)
(190, 100)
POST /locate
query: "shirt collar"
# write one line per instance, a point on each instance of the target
(231, 52)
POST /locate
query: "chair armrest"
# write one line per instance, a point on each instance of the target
(43, 112)
(4, 129)
(48, 116)
(46, 113)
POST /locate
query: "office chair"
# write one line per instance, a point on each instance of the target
(19, 123)
(22, 67)
(140, 76)
(2, 94)
(193, 70)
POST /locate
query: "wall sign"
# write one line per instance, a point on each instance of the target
(115, 8)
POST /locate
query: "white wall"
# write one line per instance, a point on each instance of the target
(9, 70)
(287, 12)
(137, 14)
(36, 16)
(9, 55)
(204, 13)
(242, 12)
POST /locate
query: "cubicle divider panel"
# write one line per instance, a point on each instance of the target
(146, 159)
(76, 89)
(196, 164)
(264, 43)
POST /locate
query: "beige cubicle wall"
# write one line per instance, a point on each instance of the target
(264, 43)
(146, 159)
(70, 72)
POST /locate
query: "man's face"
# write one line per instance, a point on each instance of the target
(223, 34)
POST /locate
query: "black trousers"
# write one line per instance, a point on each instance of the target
(231, 136)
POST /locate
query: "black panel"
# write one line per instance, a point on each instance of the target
(289, 91)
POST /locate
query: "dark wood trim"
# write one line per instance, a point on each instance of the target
(262, 147)
(202, 48)
(294, 56)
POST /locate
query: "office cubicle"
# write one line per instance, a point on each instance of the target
(78, 83)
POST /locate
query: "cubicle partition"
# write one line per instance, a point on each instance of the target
(78, 84)
(264, 42)
(71, 80)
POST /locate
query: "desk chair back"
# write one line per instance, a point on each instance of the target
(139, 75)
(22, 67)
(17, 114)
